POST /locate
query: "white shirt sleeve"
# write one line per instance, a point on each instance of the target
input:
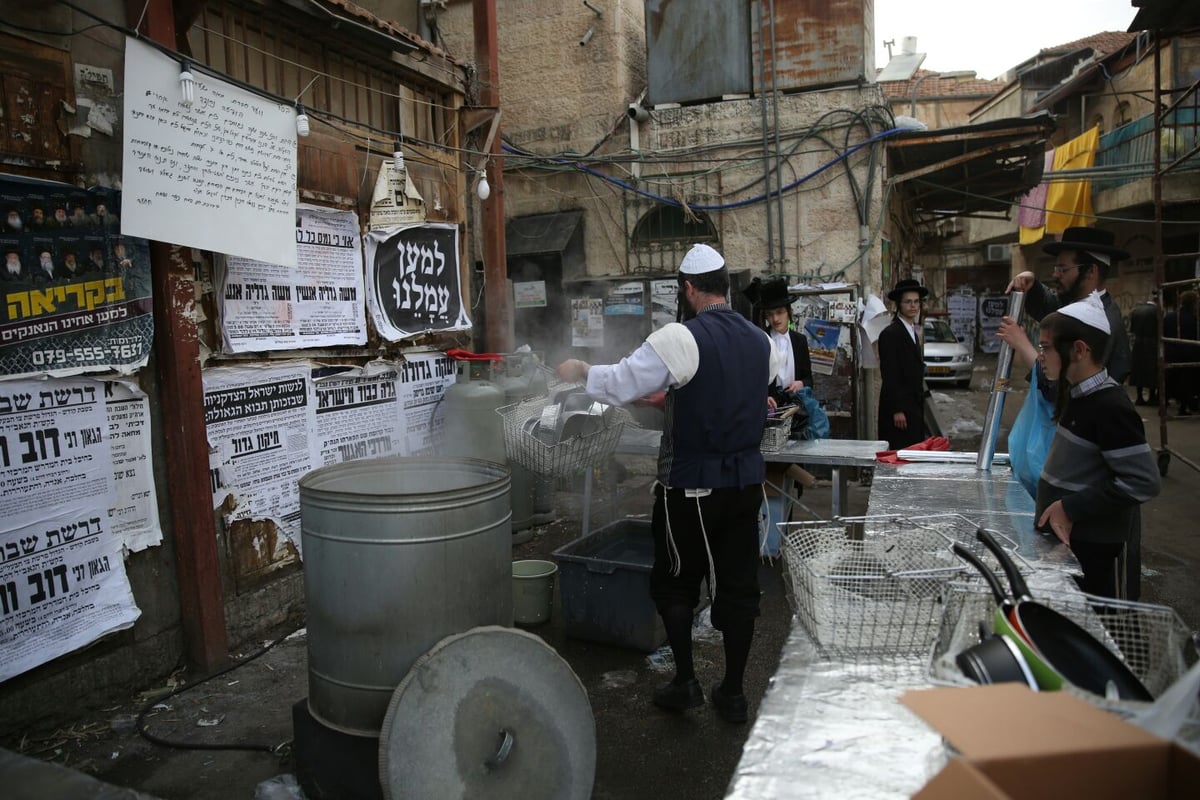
(640, 373)
(668, 357)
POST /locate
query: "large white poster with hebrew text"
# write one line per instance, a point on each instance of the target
(317, 303)
(218, 173)
(413, 281)
(62, 578)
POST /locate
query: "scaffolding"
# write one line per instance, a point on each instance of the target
(1171, 106)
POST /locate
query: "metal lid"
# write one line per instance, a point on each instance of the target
(493, 712)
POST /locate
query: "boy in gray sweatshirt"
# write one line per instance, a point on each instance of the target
(1099, 469)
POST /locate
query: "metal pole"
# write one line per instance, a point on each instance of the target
(991, 420)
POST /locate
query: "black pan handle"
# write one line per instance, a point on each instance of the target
(1019, 587)
(989, 576)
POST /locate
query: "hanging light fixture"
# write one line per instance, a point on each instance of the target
(483, 188)
(302, 127)
(187, 83)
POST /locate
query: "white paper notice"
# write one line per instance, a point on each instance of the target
(62, 579)
(318, 303)
(258, 423)
(423, 383)
(54, 450)
(587, 322)
(62, 586)
(529, 294)
(358, 416)
(218, 174)
(134, 513)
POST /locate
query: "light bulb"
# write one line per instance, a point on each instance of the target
(484, 189)
(187, 84)
(302, 128)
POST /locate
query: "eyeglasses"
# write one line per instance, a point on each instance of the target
(1059, 270)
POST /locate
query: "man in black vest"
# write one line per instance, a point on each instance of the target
(716, 367)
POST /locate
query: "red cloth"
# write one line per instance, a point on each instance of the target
(466, 355)
(932, 443)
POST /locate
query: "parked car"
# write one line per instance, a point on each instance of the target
(947, 360)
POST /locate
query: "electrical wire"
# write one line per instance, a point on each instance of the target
(722, 206)
(141, 717)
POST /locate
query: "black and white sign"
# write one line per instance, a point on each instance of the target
(413, 282)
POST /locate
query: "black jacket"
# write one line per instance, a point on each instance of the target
(902, 367)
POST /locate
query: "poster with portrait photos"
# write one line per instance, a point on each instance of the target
(76, 293)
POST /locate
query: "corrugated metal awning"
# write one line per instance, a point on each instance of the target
(1166, 16)
(540, 233)
(970, 169)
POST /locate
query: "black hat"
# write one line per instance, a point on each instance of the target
(769, 294)
(907, 285)
(1090, 240)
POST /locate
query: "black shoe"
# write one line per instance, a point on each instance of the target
(679, 696)
(730, 707)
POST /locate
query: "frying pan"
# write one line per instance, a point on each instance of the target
(996, 659)
(1071, 653)
(1002, 623)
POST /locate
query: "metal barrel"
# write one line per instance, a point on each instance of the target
(1000, 384)
(399, 553)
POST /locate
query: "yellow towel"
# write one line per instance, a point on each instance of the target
(1069, 203)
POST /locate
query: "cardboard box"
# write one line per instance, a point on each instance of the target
(1025, 745)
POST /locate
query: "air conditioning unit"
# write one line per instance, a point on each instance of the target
(999, 252)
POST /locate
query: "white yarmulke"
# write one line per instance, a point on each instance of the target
(1089, 311)
(701, 258)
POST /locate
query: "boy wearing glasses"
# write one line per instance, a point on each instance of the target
(1099, 469)
(1083, 259)
(902, 368)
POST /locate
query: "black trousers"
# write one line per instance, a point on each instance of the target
(1104, 568)
(730, 525)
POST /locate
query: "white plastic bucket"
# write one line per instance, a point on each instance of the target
(533, 590)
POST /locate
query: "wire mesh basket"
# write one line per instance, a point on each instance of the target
(1152, 640)
(557, 459)
(866, 586)
(775, 434)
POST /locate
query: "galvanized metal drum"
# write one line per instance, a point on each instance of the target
(398, 554)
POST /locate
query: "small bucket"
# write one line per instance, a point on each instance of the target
(533, 591)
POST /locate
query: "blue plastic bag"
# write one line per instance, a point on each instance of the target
(818, 421)
(1029, 439)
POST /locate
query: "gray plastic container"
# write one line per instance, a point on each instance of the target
(604, 586)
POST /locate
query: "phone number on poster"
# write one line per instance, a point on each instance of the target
(114, 351)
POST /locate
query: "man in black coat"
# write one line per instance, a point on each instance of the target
(1143, 325)
(1084, 257)
(902, 367)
